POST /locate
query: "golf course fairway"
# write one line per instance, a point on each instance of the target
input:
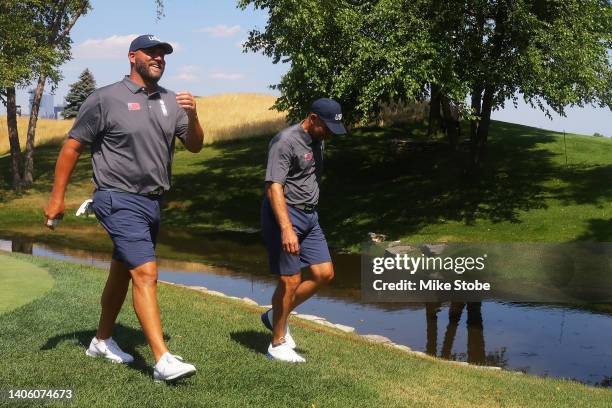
(22, 282)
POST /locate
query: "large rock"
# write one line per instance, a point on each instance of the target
(346, 329)
(398, 250)
(376, 338)
(311, 318)
(215, 293)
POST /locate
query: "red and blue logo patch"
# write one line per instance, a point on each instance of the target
(133, 106)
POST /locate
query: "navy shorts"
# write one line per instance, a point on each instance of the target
(132, 221)
(313, 246)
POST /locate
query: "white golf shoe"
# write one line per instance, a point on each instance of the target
(283, 352)
(108, 349)
(266, 319)
(171, 368)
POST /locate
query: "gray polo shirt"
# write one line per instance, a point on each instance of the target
(132, 136)
(296, 162)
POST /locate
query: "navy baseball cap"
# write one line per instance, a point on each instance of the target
(148, 41)
(331, 113)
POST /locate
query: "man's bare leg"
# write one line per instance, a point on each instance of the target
(144, 296)
(281, 304)
(322, 274)
(292, 291)
(113, 297)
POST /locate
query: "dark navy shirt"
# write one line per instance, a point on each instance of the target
(132, 136)
(296, 162)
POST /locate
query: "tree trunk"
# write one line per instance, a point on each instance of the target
(480, 144)
(482, 132)
(28, 168)
(474, 123)
(13, 134)
(435, 118)
(451, 122)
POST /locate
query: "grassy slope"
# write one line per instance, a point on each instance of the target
(526, 193)
(21, 283)
(42, 346)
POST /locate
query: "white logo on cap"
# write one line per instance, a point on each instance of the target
(338, 116)
(153, 38)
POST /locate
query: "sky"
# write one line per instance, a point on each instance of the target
(208, 59)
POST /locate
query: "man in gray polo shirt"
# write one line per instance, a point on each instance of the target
(131, 128)
(290, 223)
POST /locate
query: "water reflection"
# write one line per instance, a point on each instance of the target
(22, 245)
(476, 353)
(539, 339)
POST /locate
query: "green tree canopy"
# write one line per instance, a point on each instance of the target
(551, 53)
(79, 91)
(34, 43)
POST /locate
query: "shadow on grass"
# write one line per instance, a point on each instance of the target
(45, 157)
(257, 341)
(597, 230)
(370, 187)
(128, 337)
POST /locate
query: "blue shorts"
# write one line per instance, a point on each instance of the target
(313, 246)
(132, 221)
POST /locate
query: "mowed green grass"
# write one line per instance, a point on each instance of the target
(22, 282)
(42, 346)
(535, 186)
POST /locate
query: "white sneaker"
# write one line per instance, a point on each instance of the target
(266, 319)
(171, 367)
(283, 352)
(108, 349)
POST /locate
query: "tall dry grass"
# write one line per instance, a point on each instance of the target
(223, 117)
(47, 131)
(238, 115)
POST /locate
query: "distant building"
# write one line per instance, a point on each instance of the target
(57, 111)
(46, 110)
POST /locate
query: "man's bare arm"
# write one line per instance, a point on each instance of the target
(66, 161)
(276, 196)
(195, 134)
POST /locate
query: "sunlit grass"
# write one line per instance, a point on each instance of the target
(42, 345)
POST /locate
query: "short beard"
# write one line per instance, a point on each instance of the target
(143, 69)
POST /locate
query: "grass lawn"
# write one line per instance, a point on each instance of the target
(42, 346)
(21, 283)
(526, 192)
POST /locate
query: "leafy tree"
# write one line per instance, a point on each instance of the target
(79, 91)
(551, 53)
(19, 54)
(35, 42)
